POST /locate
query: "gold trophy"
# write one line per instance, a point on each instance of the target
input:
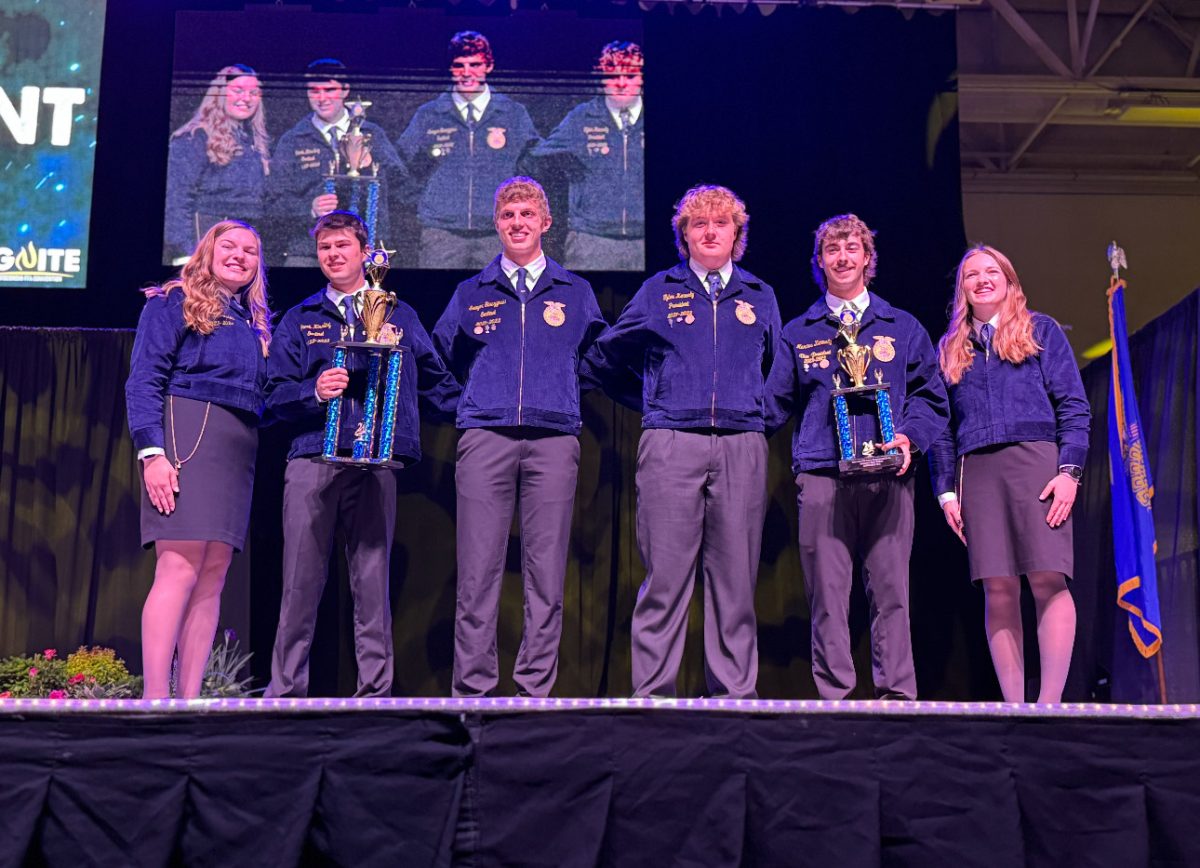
(855, 359)
(374, 432)
(349, 176)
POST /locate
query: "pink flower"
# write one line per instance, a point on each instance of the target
(58, 694)
(49, 653)
(6, 695)
(75, 679)
(33, 671)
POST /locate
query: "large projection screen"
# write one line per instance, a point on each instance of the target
(249, 133)
(49, 90)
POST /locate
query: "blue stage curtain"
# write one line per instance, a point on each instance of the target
(1163, 356)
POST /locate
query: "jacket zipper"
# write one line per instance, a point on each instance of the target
(624, 171)
(471, 177)
(713, 411)
(521, 374)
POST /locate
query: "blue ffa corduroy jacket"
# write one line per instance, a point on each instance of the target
(519, 362)
(460, 168)
(605, 166)
(802, 381)
(1041, 399)
(199, 191)
(226, 367)
(298, 170)
(303, 347)
(701, 365)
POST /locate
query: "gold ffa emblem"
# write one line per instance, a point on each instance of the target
(745, 313)
(496, 138)
(554, 314)
(884, 348)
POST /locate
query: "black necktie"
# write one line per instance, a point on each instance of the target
(626, 119)
(714, 284)
(351, 316)
(471, 119)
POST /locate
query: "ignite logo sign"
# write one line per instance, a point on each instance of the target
(33, 264)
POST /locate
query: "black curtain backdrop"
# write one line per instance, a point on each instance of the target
(806, 113)
(1163, 355)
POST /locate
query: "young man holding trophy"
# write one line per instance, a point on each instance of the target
(861, 377)
(330, 479)
(332, 158)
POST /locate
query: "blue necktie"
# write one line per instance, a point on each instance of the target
(351, 316)
(471, 119)
(714, 284)
(985, 336)
(522, 282)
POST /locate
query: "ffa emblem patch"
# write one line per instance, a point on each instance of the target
(745, 313)
(496, 138)
(553, 314)
(390, 334)
(884, 348)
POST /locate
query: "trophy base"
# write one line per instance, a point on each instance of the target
(887, 463)
(364, 463)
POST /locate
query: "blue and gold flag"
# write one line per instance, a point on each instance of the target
(1134, 543)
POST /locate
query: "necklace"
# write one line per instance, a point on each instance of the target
(179, 462)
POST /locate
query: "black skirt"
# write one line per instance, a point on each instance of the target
(215, 484)
(1004, 522)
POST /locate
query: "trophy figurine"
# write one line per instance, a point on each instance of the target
(352, 164)
(384, 363)
(855, 359)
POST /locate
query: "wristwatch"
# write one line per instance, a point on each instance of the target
(1072, 470)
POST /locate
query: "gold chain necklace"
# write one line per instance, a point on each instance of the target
(179, 462)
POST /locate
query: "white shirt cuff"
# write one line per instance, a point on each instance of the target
(947, 497)
(150, 452)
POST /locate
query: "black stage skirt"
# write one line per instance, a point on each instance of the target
(1004, 522)
(215, 484)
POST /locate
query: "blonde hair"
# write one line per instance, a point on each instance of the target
(521, 189)
(1014, 341)
(210, 116)
(205, 297)
(710, 199)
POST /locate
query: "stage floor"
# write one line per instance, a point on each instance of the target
(596, 782)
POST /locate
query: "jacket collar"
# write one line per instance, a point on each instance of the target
(553, 273)
(319, 301)
(877, 309)
(740, 280)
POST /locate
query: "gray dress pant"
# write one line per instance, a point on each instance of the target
(701, 501)
(586, 252)
(497, 472)
(441, 248)
(317, 497)
(870, 518)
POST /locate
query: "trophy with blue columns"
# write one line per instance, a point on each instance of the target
(349, 170)
(871, 400)
(375, 430)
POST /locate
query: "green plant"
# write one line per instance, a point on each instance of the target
(223, 676)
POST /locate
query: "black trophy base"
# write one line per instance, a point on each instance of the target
(365, 463)
(874, 464)
(368, 345)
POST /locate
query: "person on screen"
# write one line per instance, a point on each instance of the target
(319, 497)
(701, 336)
(513, 334)
(600, 146)
(1006, 471)
(297, 186)
(194, 395)
(459, 148)
(217, 162)
(867, 518)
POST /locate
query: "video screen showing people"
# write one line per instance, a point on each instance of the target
(411, 119)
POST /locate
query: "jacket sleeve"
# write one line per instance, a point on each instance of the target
(291, 393)
(615, 362)
(435, 383)
(596, 326)
(1064, 386)
(926, 407)
(943, 457)
(160, 332)
(782, 386)
(410, 147)
(559, 152)
(187, 158)
(450, 342)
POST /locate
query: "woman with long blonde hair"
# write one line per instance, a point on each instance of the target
(194, 397)
(1007, 469)
(218, 161)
